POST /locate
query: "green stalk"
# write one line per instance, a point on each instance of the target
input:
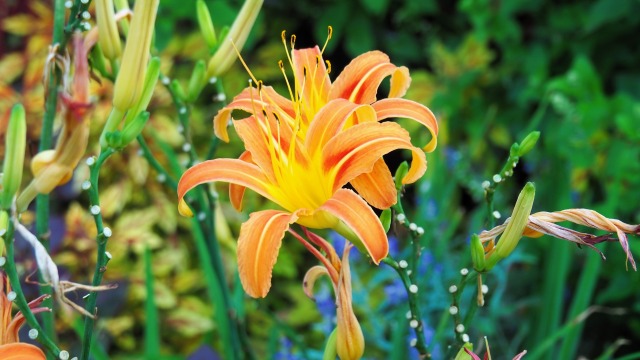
(75, 18)
(103, 258)
(421, 344)
(206, 204)
(46, 142)
(20, 301)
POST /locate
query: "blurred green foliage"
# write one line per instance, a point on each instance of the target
(492, 71)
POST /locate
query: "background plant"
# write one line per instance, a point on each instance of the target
(492, 72)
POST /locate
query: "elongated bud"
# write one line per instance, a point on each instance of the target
(349, 338)
(108, 36)
(206, 25)
(518, 222)
(178, 90)
(134, 128)
(120, 6)
(477, 253)
(385, 219)
(150, 81)
(129, 84)
(401, 172)
(330, 351)
(226, 54)
(528, 142)
(463, 354)
(197, 81)
(4, 224)
(15, 142)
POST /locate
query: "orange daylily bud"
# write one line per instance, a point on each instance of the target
(350, 341)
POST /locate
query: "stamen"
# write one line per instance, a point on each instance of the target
(328, 66)
(242, 61)
(286, 79)
(329, 34)
(293, 41)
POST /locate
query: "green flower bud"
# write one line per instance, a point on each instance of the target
(477, 254)
(401, 172)
(529, 142)
(206, 25)
(4, 224)
(385, 219)
(114, 139)
(463, 355)
(134, 128)
(150, 81)
(330, 351)
(519, 220)
(177, 89)
(197, 81)
(514, 150)
(15, 143)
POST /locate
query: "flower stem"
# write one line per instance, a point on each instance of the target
(421, 344)
(46, 141)
(20, 300)
(102, 257)
(75, 17)
(206, 230)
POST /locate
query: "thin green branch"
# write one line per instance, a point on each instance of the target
(155, 164)
(20, 300)
(416, 317)
(46, 141)
(103, 257)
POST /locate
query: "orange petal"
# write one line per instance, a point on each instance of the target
(402, 108)
(355, 151)
(236, 192)
(311, 71)
(377, 187)
(331, 119)
(21, 351)
(250, 100)
(258, 246)
(359, 81)
(227, 170)
(256, 141)
(356, 214)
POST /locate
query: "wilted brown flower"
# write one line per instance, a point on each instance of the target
(544, 223)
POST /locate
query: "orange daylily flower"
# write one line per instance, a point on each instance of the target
(10, 347)
(358, 83)
(300, 152)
